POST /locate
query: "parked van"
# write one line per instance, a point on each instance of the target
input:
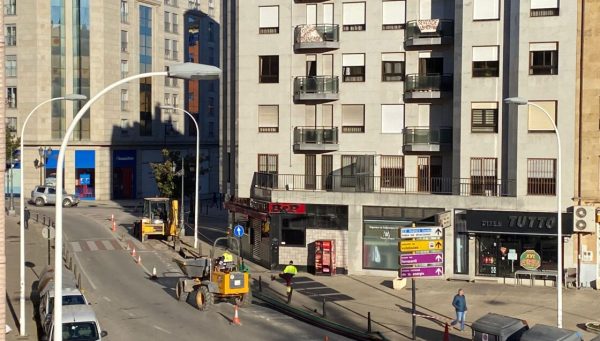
(47, 276)
(79, 324)
(494, 327)
(71, 296)
(541, 332)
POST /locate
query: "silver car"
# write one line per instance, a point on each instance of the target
(42, 195)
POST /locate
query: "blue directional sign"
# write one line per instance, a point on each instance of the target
(238, 231)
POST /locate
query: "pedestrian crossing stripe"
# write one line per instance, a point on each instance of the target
(96, 245)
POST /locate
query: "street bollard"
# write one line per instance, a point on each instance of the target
(324, 312)
(259, 283)
(369, 322)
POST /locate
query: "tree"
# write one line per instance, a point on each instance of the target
(167, 178)
(13, 143)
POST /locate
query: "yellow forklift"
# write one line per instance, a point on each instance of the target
(159, 218)
(208, 280)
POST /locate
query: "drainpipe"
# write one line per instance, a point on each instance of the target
(580, 137)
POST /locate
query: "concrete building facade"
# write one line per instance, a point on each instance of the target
(353, 119)
(62, 47)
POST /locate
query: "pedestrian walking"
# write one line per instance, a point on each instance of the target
(288, 273)
(27, 216)
(460, 305)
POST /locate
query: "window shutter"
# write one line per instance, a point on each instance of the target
(538, 119)
(354, 13)
(485, 53)
(543, 4)
(392, 57)
(543, 46)
(357, 59)
(327, 115)
(392, 118)
(353, 115)
(486, 9)
(327, 13)
(268, 116)
(269, 16)
(311, 14)
(394, 12)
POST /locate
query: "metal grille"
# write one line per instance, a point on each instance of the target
(484, 179)
(326, 170)
(392, 171)
(310, 169)
(267, 163)
(541, 176)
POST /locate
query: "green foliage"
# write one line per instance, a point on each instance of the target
(167, 175)
(13, 143)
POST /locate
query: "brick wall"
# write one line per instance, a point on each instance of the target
(301, 255)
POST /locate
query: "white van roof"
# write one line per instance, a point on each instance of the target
(78, 313)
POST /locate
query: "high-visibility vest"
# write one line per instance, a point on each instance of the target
(227, 257)
(290, 269)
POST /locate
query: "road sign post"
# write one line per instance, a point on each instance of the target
(238, 231)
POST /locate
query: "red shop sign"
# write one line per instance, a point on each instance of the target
(278, 207)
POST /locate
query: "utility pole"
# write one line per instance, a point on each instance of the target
(181, 215)
(11, 210)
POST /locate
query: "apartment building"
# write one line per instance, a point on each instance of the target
(61, 47)
(348, 120)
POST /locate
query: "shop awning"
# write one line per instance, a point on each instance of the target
(250, 212)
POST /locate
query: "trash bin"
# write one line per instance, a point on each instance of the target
(494, 327)
(541, 332)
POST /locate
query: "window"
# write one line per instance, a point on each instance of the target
(268, 20)
(175, 100)
(537, 119)
(125, 69)
(267, 163)
(486, 9)
(394, 15)
(124, 126)
(11, 66)
(124, 12)
(485, 61)
(145, 123)
(167, 22)
(10, 7)
(268, 118)
(193, 4)
(543, 58)
(354, 16)
(167, 49)
(124, 41)
(124, 100)
(484, 117)
(174, 23)
(392, 118)
(392, 171)
(269, 69)
(392, 67)
(10, 35)
(353, 67)
(11, 124)
(541, 176)
(483, 176)
(11, 97)
(175, 52)
(353, 118)
(544, 8)
(168, 101)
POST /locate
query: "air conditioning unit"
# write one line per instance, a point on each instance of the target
(584, 219)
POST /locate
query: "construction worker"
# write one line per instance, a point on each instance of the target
(225, 260)
(288, 273)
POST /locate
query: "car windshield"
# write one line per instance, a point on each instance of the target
(80, 331)
(68, 300)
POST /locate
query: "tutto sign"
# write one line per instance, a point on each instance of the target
(515, 222)
(278, 207)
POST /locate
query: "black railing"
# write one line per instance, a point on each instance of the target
(433, 82)
(432, 28)
(313, 135)
(475, 186)
(316, 85)
(316, 33)
(427, 135)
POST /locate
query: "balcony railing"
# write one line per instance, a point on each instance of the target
(429, 32)
(323, 36)
(426, 139)
(316, 88)
(384, 184)
(315, 139)
(426, 86)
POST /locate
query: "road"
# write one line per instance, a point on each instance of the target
(130, 306)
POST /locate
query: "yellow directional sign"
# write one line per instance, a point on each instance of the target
(421, 245)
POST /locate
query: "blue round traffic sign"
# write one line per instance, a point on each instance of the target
(238, 231)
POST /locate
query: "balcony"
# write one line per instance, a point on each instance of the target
(316, 88)
(432, 86)
(426, 139)
(317, 37)
(359, 183)
(430, 32)
(315, 140)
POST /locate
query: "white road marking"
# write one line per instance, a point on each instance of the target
(76, 246)
(107, 245)
(92, 245)
(162, 329)
(84, 272)
(106, 298)
(130, 314)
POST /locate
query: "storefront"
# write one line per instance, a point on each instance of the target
(507, 241)
(85, 174)
(124, 166)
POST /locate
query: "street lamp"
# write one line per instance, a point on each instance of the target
(196, 171)
(70, 97)
(191, 71)
(44, 154)
(524, 101)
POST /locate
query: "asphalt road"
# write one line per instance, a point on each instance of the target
(130, 306)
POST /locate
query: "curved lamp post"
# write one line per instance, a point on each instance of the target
(559, 281)
(191, 71)
(70, 97)
(197, 171)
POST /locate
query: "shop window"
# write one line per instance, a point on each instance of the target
(85, 173)
(380, 244)
(293, 230)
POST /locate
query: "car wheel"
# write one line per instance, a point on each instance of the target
(39, 202)
(66, 203)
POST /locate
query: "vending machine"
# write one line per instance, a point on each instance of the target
(325, 257)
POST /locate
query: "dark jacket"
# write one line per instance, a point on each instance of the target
(459, 303)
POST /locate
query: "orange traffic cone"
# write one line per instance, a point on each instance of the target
(114, 226)
(139, 260)
(153, 276)
(446, 333)
(236, 318)
(133, 254)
